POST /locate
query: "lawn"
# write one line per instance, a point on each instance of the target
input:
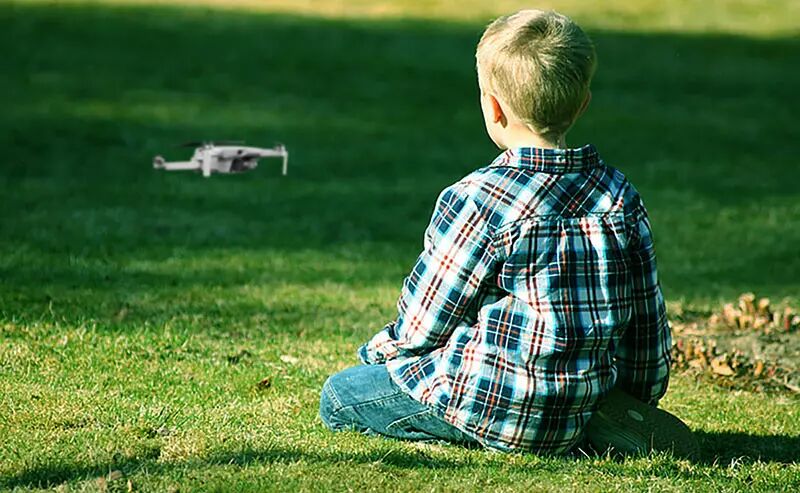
(165, 332)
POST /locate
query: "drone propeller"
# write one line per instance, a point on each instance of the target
(219, 142)
(191, 144)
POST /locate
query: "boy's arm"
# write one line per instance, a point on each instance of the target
(456, 258)
(643, 356)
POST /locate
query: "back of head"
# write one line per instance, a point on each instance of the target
(540, 64)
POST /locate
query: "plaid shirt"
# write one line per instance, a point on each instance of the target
(536, 292)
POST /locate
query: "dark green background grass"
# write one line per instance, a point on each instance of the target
(125, 292)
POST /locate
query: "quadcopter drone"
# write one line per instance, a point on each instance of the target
(227, 157)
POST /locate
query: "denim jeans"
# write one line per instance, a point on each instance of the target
(365, 399)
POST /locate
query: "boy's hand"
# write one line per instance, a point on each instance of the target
(381, 348)
(362, 355)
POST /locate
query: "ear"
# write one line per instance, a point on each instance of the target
(585, 103)
(496, 111)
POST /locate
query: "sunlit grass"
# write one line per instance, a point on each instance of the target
(755, 17)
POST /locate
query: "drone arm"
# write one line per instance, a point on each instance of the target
(176, 165)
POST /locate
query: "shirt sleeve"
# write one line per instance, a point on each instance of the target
(456, 258)
(643, 356)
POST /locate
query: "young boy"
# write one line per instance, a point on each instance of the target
(536, 292)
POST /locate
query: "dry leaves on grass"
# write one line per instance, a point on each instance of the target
(748, 345)
(750, 313)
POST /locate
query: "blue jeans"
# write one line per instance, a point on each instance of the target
(365, 399)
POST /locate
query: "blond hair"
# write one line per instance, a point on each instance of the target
(540, 64)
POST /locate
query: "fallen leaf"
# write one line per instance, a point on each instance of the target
(759, 369)
(688, 349)
(745, 321)
(697, 363)
(746, 301)
(264, 384)
(763, 307)
(787, 318)
(700, 356)
(730, 314)
(289, 360)
(720, 366)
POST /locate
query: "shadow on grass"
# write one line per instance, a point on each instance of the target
(378, 115)
(49, 476)
(718, 448)
(726, 447)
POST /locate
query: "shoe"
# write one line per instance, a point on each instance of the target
(627, 425)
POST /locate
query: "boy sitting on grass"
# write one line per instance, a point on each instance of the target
(533, 319)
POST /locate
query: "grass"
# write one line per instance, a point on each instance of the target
(139, 310)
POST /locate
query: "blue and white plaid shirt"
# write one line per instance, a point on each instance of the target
(536, 292)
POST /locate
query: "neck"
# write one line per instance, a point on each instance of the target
(522, 136)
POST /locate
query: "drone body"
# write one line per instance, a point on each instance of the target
(209, 158)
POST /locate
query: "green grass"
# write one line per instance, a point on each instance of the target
(138, 310)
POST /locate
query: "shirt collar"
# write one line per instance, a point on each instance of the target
(550, 160)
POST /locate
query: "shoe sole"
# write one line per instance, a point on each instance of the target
(627, 425)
